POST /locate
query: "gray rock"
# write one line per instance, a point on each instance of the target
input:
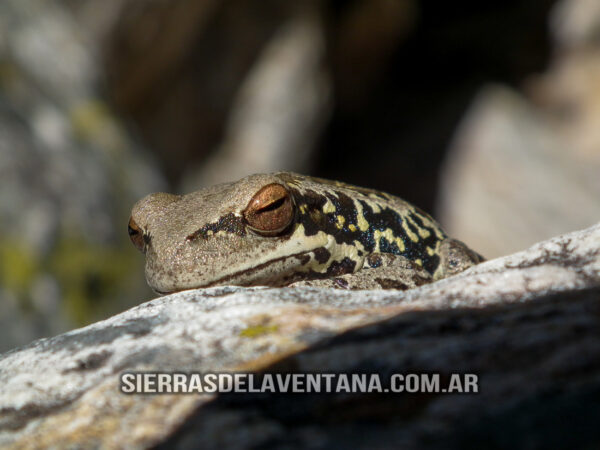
(523, 166)
(575, 23)
(513, 177)
(526, 324)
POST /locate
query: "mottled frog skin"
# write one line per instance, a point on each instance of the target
(285, 229)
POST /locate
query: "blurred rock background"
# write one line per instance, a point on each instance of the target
(485, 113)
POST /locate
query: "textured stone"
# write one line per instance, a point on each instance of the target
(527, 324)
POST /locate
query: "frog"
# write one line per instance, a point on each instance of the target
(284, 229)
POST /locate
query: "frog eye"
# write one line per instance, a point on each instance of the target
(270, 211)
(136, 235)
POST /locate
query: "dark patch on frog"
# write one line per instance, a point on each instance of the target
(388, 283)
(310, 211)
(386, 246)
(410, 225)
(374, 260)
(336, 268)
(388, 218)
(420, 281)
(322, 255)
(229, 223)
(314, 220)
(303, 258)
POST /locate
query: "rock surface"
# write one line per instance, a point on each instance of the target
(511, 174)
(527, 324)
(531, 153)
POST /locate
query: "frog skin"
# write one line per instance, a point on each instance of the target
(285, 229)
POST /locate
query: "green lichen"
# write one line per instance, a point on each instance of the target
(258, 330)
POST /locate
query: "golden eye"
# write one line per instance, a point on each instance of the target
(136, 235)
(270, 211)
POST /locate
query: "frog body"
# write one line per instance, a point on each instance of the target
(286, 229)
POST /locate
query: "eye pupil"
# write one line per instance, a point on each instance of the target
(273, 206)
(270, 211)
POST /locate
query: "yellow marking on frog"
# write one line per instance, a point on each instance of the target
(436, 229)
(352, 228)
(374, 206)
(430, 251)
(389, 235)
(296, 182)
(363, 225)
(340, 221)
(328, 207)
(418, 262)
(298, 241)
(350, 251)
(359, 246)
(412, 236)
(423, 232)
(439, 233)
(302, 208)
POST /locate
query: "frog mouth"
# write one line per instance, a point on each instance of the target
(260, 273)
(255, 275)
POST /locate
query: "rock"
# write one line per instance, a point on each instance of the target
(512, 178)
(575, 23)
(526, 325)
(523, 165)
